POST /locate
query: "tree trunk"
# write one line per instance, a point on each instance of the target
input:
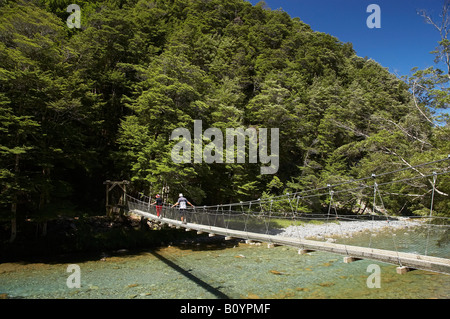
(44, 229)
(13, 222)
(44, 200)
(14, 206)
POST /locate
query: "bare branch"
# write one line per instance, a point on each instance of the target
(356, 132)
(416, 104)
(443, 27)
(414, 169)
(403, 130)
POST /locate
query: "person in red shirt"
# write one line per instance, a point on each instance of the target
(159, 204)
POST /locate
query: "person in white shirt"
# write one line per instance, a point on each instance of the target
(182, 201)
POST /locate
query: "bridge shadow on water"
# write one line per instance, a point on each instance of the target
(189, 275)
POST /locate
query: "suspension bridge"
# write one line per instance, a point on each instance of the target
(415, 242)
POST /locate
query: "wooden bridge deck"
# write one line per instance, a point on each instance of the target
(405, 261)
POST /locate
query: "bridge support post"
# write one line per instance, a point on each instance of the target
(349, 259)
(403, 270)
(304, 251)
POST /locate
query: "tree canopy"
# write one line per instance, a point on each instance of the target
(79, 106)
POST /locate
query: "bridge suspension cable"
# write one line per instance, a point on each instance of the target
(331, 186)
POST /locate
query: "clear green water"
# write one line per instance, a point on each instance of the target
(218, 270)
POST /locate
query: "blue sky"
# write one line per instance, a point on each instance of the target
(404, 40)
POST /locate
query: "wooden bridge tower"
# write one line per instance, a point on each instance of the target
(116, 197)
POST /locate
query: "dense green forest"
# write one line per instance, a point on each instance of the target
(83, 105)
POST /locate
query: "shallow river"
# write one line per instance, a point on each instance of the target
(217, 269)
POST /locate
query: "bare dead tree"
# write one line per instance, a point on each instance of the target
(443, 26)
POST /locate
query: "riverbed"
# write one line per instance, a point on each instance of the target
(216, 269)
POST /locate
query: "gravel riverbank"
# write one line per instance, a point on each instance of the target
(345, 229)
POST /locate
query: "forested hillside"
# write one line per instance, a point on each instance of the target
(80, 106)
